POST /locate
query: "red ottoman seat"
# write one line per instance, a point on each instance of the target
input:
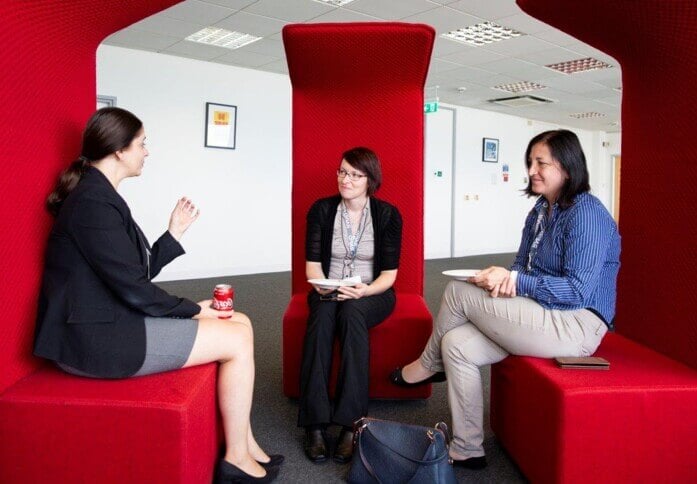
(389, 347)
(635, 422)
(65, 429)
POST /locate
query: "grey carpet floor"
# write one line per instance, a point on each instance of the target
(263, 297)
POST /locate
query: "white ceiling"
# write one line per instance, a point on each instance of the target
(454, 64)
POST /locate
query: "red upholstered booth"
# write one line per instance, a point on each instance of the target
(636, 422)
(360, 85)
(53, 426)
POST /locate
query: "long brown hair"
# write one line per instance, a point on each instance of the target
(108, 131)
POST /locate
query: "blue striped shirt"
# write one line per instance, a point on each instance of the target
(576, 261)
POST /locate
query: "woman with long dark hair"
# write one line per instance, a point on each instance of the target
(557, 299)
(100, 315)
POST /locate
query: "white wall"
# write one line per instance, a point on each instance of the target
(489, 213)
(243, 194)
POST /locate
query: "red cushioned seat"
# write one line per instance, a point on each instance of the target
(352, 87)
(57, 427)
(389, 347)
(633, 423)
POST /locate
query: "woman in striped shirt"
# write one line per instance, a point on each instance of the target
(557, 299)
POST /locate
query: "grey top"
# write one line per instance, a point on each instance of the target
(340, 265)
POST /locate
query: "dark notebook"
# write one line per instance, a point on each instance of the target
(583, 362)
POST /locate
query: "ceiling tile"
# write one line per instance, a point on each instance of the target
(444, 47)
(162, 25)
(139, 39)
(343, 15)
(438, 66)
(473, 56)
(574, 85)
(470, 74)
(289, 10)
(390, 9)
(196, 51)
(556, 37)
(234, 4)
(280, 67)
(198, 12)
(252, 24)
(506, 66)
(443, 19)
(245, 59)
(523, 23)
(269, 47)
(519, 45)
(549, 56)
(487, 9)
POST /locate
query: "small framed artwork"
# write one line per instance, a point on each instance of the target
(221, 126)
(105, 101)
(490, 150)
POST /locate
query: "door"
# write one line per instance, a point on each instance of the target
(438, 179)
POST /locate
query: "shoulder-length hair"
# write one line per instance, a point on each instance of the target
(564, 147)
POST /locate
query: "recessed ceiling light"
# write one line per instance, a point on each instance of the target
(336, 3)
(579, 65)
(222, 38)
(520, 101)
(481, 34)
(523, 86)
(588, 115)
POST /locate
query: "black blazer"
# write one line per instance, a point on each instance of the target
(96, 288)
(387, 227)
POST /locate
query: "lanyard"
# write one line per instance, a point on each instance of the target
(353, 240)
(539, 231)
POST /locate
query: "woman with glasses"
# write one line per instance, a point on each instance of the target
(557, 299)
(348, 235)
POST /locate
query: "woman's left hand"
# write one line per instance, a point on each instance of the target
(182, 217)
(491, 279)
(353, 292)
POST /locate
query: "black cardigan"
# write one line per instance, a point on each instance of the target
(387, 228)
(96, 288)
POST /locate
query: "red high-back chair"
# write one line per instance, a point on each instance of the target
(361, 84)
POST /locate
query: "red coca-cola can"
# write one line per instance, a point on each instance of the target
(223, 296)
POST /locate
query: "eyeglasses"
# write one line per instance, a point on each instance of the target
(353, 176)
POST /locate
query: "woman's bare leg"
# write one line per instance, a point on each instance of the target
(231, 342)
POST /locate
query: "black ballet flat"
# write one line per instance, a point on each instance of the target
(275, 461)
(228, 473)
(473, 463)
(397, 379)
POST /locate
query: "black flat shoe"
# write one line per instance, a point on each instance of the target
(397, 379)
(315, 445)
(275, 461)
(473, 463)
(344, 447)
(228, 473)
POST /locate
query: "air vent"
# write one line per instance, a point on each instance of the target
(520, 101)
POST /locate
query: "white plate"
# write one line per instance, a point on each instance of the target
(332, 283)
(461, 274)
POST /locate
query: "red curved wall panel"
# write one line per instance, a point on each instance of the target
(48, 72)
(655, 42)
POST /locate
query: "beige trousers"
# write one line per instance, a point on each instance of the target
(473, 329)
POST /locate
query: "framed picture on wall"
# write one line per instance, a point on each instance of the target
(490, 150)
(221, 126)
(105, 101)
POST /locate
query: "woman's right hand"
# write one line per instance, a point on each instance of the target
(207, 311)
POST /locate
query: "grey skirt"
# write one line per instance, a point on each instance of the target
(168, 344)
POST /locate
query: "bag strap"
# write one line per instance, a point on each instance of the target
(366, 464)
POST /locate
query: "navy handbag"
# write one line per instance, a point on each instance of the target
(391, 452)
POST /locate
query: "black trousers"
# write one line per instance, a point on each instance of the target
(349, 320)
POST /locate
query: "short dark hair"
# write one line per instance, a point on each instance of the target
(564, 147)
(365, 160)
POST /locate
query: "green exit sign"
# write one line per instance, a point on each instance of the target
(431, 107)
